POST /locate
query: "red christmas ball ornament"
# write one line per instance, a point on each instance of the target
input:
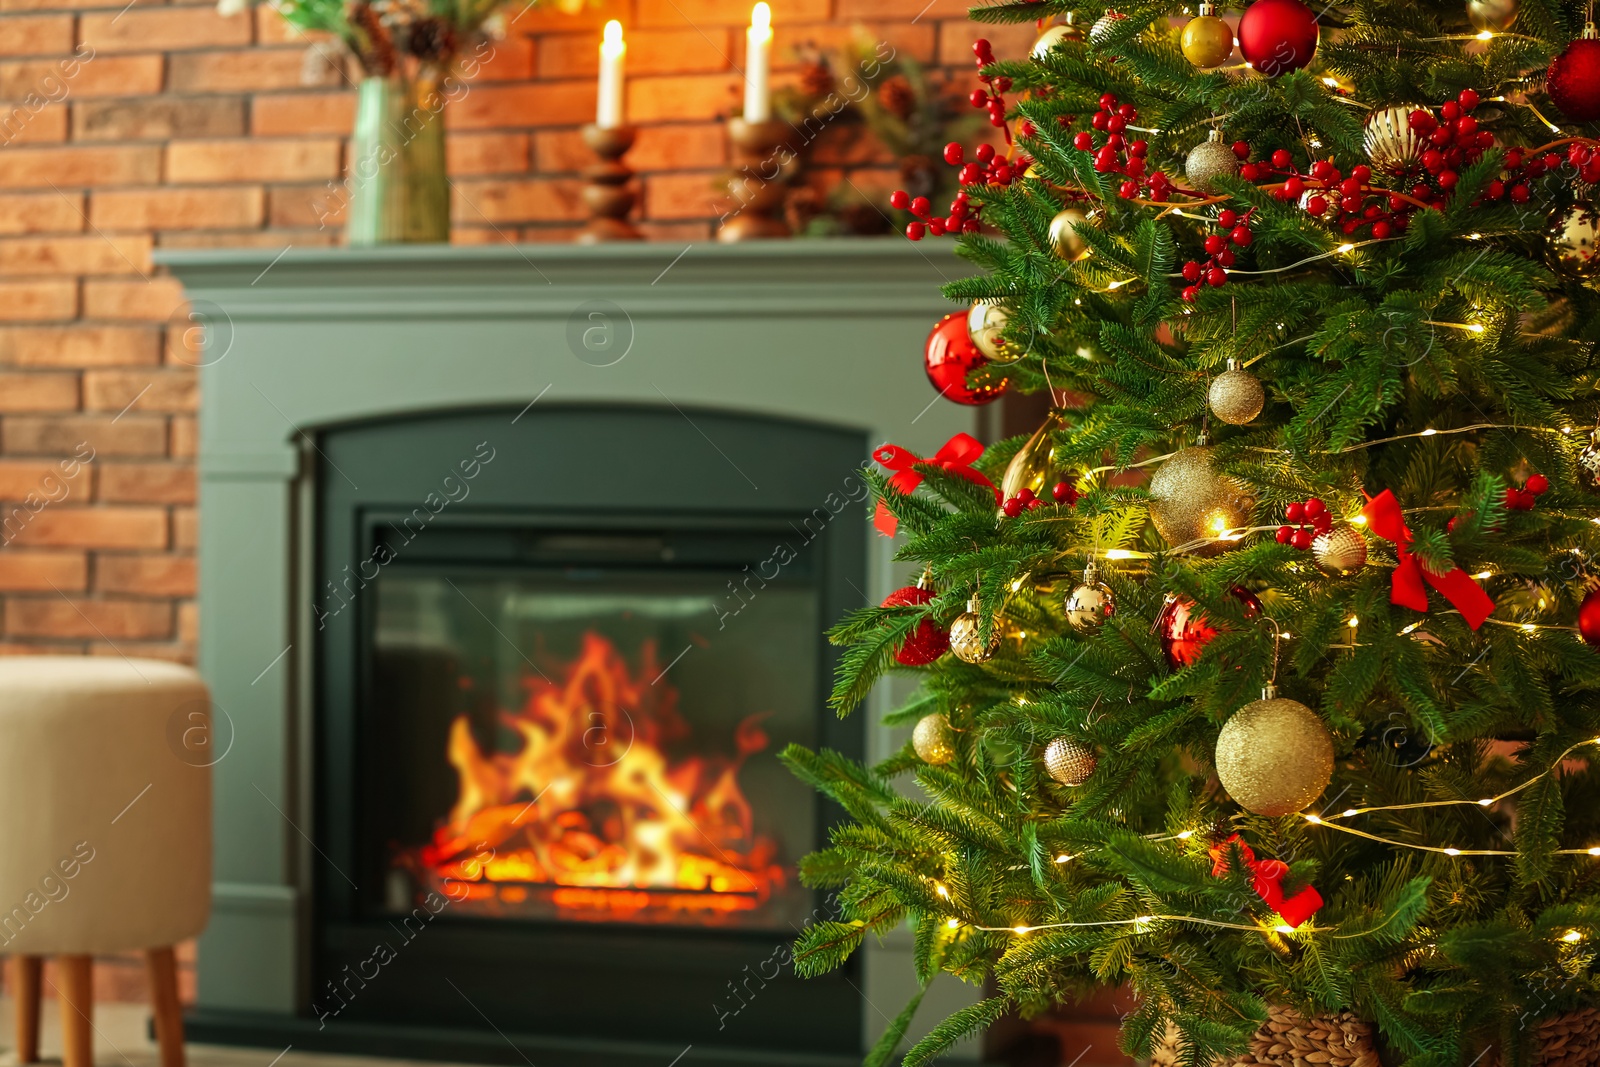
(1278, 36)
(1184, 630)
(950, 356)
(1573, 80)
(1589, 618)
(927, 642)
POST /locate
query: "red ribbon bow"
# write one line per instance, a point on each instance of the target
(1465, 595)
(1268, 876)
(956, 457)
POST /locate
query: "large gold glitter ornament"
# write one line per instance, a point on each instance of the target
(1208, 161)
(1340, 552)
(1207, 41)
(1054, 35)
(1495, 16)
(1236, 395)
(1391, 143)
(1031, 468)
(966, 636)
(1274, 756)
(1577, 242)
(1064, 238)
(933, 739)
(1069, 761)
(986, 322)
(1090, 603)
(1189, 500)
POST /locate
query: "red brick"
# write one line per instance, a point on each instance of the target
(46, 479)
(177, 209)
(683, 196)
(676, 13)
(522, 106)
(676, 232)
(99, 76)
(283, 114)
(510, 59)
(185, 528)
(276, 240)
(79, 346)
(147, 391)
(133, 988)
(242, 71)
(147, 483)
(487, 153)
(56, 616)
(162, 576)
(158, 300)
(155, 29)
(554, 19)
(227, 161)
(658, 148)
(160, 119)
(531, 199)
(100, 526)
(682, 98)
(43, 167)
(112, 254)
(25, 125)
(34, 391)
(189, 623)
(679, 51)
(131, 435)
(51, 5)
(183, 437)
(291, 206)
(50, 212)
(273, 28)
(40, 300)
(906, 40)
(36, 35)
(43, 572)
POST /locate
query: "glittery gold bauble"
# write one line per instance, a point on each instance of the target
(1236, 395)
(1274, 756)
(1207, 41)
(1390, 142)
(1090, 603)
(1064, 239)
(1189, 500)
(966, 636)
(1497, 16)
(1576, 244)
(1589, 462)
(1031, 468)
(1054, 35)
(1069, 761)
(985, 324)
(1340, 552)
(1208, 161)
(933, 739)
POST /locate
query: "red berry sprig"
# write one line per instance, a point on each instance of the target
(1524, 498)
(1063, 492)
(1115, 154)
(993, 98)
(1351, 201)
(1305, 520)
(1236, 233)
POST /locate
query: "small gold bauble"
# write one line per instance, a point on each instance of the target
(1208, 161)
(1236, 395)
(1579, 232)
(1496, 16)
(1391, 143)
(1064, 239)
(1032, 468)
(1069, 761)
(933, 739)
(986, 322)
(1340, 552)
(1090, 603)
(1274, 756)
(966, 636)
(1207, 41)
(1189, 500)
(1054, 35)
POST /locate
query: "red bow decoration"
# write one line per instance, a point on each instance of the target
(1268, 876)
(956, 457)
(1465, 595)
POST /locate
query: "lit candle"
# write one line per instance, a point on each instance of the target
(758, 56)
(608, 110)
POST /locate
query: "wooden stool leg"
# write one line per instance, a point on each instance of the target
(163, 967)
(26, 974)
(76, 991)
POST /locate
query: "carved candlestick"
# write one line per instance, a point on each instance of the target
(763, 167)
(608, 190)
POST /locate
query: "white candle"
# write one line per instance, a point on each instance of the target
(608, 109)
(757, 59)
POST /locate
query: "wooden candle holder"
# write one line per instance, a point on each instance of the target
(759, 183)
(608, 190)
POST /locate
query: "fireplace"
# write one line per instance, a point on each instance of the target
(509, 638)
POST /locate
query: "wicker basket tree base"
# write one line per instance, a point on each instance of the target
(1570, 1040)
(1289, 1039)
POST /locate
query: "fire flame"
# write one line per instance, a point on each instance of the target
(592, 813)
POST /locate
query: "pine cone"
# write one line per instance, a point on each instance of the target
(897, 97)
(816, 78)
(379, 56)
(433, 40)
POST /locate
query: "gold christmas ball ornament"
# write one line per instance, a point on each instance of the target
(1330, 202)
(1495, 16)
(1032, 468)
(966, 636)
(1090, 603)
(1054, 35)
(1236, 395)
(1064, 239)
(1274, 756)
(986, 323)
(1189, 500)
(1576, 242)
(1391, 143)
(1069, 761)
(933, 739)
(1340, 552)
(1589, 462)
(1208, 161)
(1207, 41)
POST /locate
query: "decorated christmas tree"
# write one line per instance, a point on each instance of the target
(1261, 680)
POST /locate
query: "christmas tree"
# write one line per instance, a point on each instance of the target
(1261, 679)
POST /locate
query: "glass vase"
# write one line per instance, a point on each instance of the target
(398, 187)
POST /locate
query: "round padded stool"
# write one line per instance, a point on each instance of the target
(105, 804)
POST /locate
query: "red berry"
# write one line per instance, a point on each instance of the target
(1497, 189)
(970, 174)
(1281, 158)
(1468, 99)
(1214, 243)
(936, 227)
(1322, 170)
(971, 226)
(1448, 179)
(1191, 271)
(1295, 512)
(1030, 505)
(921, 206)
(1013, 507)
(1551, 161)
(1519, 194)
(1107, 102)
(1083, 140)
(1302, 539)
(1450, 111)
(1139, 148)
(1241, 236)
(1064, 493)
(1191, 294)
(1382, 230)
(1450, 527)
(953, 153)
(979, 98)
(1216, 277)
(915, 231)
(985, 153)
(1315, 507)
(1134, 167)
(1537, 484)
(1115, 141)
(1225, 257)
(1241, 150)
(1466, 126)
(1441, 136)
(1227, 218)
(1128, 190)
(900, 199)
(1127, 113)
(1250, 172)
(1349, 226)
(953, 223)
(1116, 123)
(1350, 187)
(1420, 121)
(982, 49)
(1285, 534)
(1025, 494)
(1317, 205)
(1323, 523)
(1293, 188)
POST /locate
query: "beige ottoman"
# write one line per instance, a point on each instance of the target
(105, 831)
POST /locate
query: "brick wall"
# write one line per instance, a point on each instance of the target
(129, 128)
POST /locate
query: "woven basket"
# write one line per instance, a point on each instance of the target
(1570, 1040)
(1288, 1039)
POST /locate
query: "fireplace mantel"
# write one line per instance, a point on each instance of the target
(302, 341)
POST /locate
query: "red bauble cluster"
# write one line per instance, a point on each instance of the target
(1303, 522)
(1573, 80)
(1115, 154)
(1219, 247)
(950, 356)
(1524, 498)
(1185, 631)
(927, 642)
(1064, 492)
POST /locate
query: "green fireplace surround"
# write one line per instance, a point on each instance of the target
(306, 340)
